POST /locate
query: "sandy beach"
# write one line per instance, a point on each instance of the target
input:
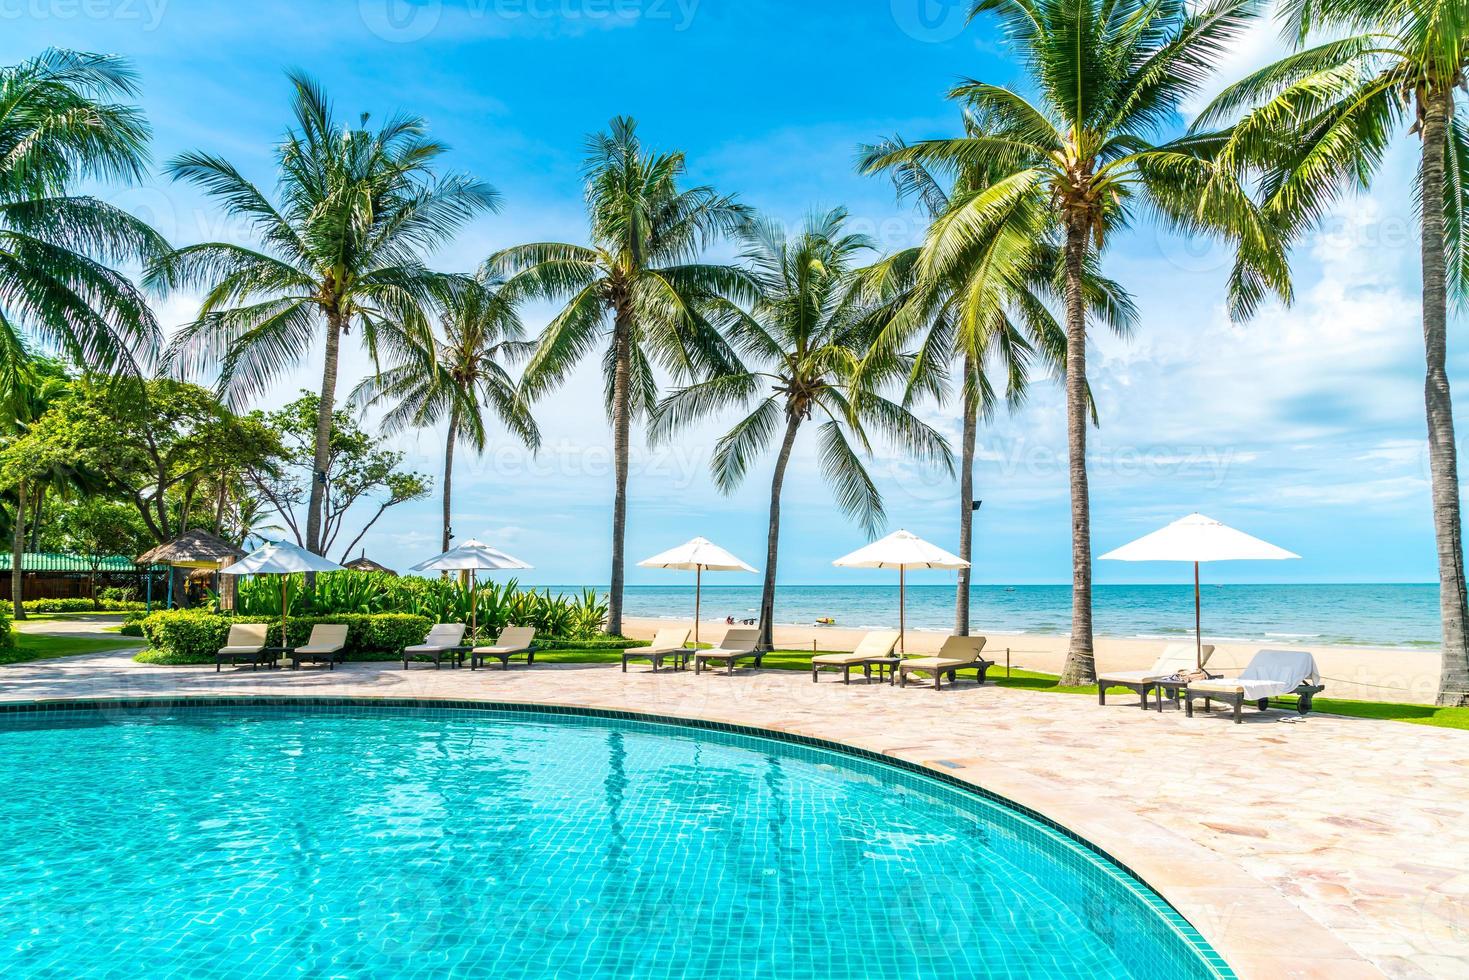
(1359, 673)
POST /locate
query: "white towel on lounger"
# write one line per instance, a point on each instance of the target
(1270, 674)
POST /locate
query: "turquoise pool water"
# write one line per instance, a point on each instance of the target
(389, 842)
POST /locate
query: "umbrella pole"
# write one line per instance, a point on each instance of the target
(698, 590)
(473, 608)
(285, 580)
(902, 602)
(1198, 623)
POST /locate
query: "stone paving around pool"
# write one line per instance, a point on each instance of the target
(1323, 846)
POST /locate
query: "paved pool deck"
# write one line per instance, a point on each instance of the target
(1316, 847)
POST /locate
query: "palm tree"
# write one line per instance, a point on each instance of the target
(357, 211)
(986, 303)
(26, 392)
(810, 330)
(639, 288)
(1108, 77)
(60, 124)
(1318, 123)
(456, 375)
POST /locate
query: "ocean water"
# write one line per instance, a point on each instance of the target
(1355, 615)
(329, 842)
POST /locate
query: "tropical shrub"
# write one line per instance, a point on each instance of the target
(81, 605)
(193, 636)
(7, 635)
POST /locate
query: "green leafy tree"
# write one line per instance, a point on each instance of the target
(94, 528)
(61, 125)
(358, 471)
(456, 374)
(1316, 124)
(639, 293)
(806, 336)
(26, 393)
(1086, 151)
(341, 248)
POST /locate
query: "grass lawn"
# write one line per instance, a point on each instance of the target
(30, 646)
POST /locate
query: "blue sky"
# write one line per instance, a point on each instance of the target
(1304, 426)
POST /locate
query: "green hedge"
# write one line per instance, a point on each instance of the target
(80, 605)
(597, 643)
(194, 636)
(7, 635)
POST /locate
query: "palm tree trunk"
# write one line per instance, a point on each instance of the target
(772, 540)
(449, 472)
(966, 499)
(1080, 666)
(17, 551)
(621, 428)
(314, 514)
(1453, 685)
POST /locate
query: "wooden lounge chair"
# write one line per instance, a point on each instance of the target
(245, 643)
(958, 653)
(327, 644)
(1176, 663)
(511, 641)
(876, 648)
(1269, 674)
(667, 645)
(442, 638)
(739, 643)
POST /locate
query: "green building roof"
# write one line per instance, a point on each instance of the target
(50, 561)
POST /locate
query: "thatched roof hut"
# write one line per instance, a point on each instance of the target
(192, 549)
(362, 563)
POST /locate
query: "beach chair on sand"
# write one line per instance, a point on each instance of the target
(667, 645)
(327, 644)
(739, 643)
(1175, 663)
(1269, 674)
(958, 653)
(442, 638)
(512, 641)
(245, 643)
(876, 648)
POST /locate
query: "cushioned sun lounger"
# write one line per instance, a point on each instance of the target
(513, 640)
(442, 638)
(327, 644)
(875, 647)
(958, 653)
(1269, 674)
(245, 643)
(739, 643)
(667, 645)
(1174, 664)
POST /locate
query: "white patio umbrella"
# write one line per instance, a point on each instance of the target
(698, 556)
(471, 556)
(1197, 538)
(901, 550)
(280, 558)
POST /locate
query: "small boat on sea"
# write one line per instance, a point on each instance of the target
(825, 621)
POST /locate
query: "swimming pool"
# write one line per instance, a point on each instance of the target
(345, 840)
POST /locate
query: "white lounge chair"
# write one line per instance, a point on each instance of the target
(442, 638)
(739, 643)
(326, 644)
(958, 653)
(511, 641)
(246, 641)
(1175, 663)
(1269, 674)
(876, 648)
(668, 644)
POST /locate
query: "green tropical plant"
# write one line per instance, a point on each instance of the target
(342, 249)
(983, 302)
(638, 291)
(1316, 124)
(807, 335)
(61, 125)
(456, 374)
(1087, 154)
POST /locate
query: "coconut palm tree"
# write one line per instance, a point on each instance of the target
(986, 304)
(638, 291)
(457, 374)
(61, 123)
(341, 247)
(808, 333)
(1087, 153)
(1317, 123)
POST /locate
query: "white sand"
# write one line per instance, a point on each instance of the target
(1362, 673)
